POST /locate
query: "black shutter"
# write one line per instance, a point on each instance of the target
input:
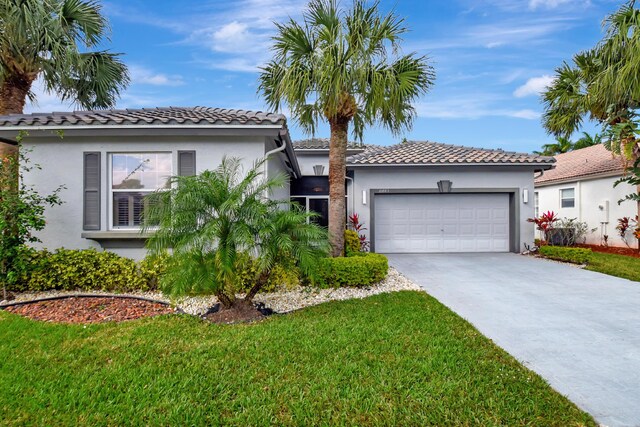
(186, 163)
(91, 199)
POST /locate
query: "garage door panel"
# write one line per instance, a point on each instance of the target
(442, 223)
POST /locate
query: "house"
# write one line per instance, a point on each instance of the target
(109, 160)
(414, 197)
(582, 186)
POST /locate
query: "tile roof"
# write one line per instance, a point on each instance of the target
(323, 144)
(146, 116)
(582, 163)
(433, 153)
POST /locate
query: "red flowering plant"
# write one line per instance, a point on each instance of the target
(358, 227)
(625, 225)
(545, 223)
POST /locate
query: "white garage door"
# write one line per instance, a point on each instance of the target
(413, 223)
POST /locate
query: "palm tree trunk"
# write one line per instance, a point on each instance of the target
(337, 170)
(260, 282)
(13, 94)
(225, 300)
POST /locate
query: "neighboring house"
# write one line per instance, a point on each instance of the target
(413, 197)
(582, 186)
(109, 160)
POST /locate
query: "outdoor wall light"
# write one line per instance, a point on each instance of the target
(444, 186)
(525, 196)
(318, 170)
(364, 197)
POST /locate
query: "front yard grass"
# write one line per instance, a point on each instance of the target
(392, 359)
(615, 265)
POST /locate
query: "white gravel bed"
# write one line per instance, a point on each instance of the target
(280, 302)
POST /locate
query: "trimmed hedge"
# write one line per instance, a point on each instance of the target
(563, 253)
(351, 242)
(361, 270)
(87, 270)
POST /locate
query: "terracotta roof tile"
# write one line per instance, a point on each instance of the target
(582, 163)
(432, 153)
(146, 116)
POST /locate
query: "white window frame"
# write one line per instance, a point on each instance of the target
(111, 190)
(536, 204)
(325, 196)
(562, 199)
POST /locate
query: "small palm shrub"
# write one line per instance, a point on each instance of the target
(214, 219)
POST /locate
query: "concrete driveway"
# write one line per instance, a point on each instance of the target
(578, 329)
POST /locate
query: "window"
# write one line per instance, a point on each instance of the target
(567, 198)
(133, 176)
(536, 204)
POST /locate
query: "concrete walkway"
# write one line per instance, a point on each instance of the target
(578, 329)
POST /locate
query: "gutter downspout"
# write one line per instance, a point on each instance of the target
(268, 154)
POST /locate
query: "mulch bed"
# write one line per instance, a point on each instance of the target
(240, 313)
(613, 250)
(90, 309)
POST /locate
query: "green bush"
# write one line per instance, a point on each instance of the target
(357, 271)
(562, 253)
(351, 242)
(281, 278)
(90, 270)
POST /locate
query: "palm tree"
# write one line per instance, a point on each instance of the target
(41, 38)
(602, 85)
(587, 140)
(562, 145)
(211, 220)
(345, 67)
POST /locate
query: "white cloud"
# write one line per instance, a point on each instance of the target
(552, 4)
(145, 76)
(45, 101)
(533, 86)
(470, 107)
(232, 37)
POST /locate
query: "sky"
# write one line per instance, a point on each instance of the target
(492, 58)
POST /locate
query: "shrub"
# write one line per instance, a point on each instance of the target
(281, 277)
(90, 270)
(560, 253)
(351, 242)
(568, 232)
(362, 270)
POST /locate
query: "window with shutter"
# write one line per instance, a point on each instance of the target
(134, 176)
(91, 196)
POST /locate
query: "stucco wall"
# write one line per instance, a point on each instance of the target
(308, 160)
(589, 195)
(470, 177)
(62, 164)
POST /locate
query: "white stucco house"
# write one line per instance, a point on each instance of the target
(414, 197)
(582, 186)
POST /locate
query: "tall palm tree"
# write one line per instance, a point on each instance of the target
(212, 219)
(345, 67)
(49, 39)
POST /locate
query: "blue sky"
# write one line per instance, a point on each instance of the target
(491, 57)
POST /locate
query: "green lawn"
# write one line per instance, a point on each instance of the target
(616, 265)
(394, 359)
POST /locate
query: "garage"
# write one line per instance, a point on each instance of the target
(423, 223)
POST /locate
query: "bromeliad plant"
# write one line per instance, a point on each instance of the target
(626, 225)
(545, 223)
(212, 220)
(358, 227)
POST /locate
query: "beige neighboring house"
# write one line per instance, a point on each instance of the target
(582, 186)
